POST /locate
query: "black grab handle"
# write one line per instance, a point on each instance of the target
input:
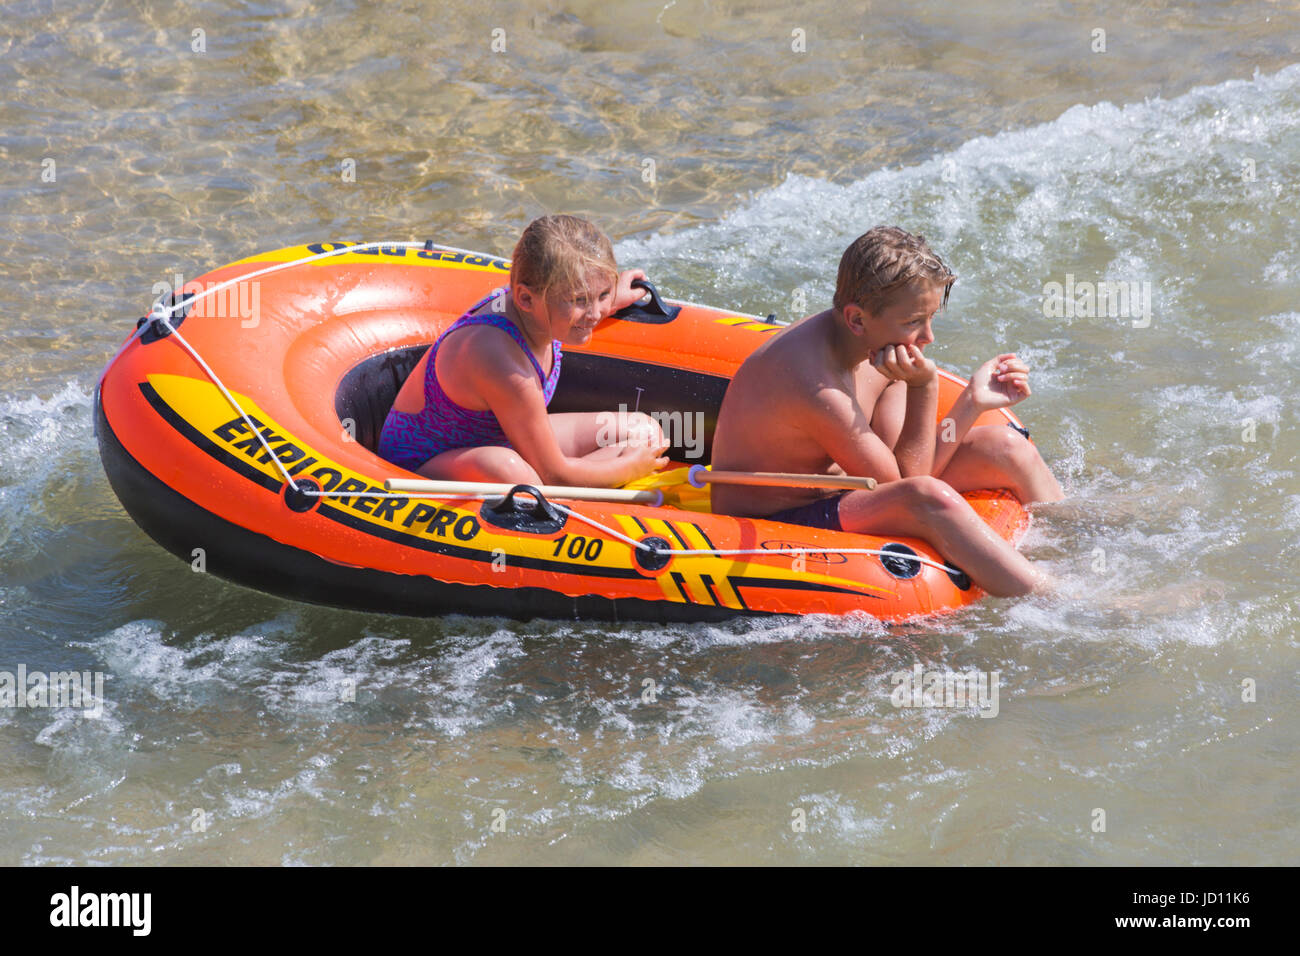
(541, 518)
(541, 507)
(654, 312)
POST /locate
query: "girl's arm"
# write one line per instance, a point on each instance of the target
(625, 295)
(509, 386)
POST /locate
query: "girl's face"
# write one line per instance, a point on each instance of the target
(575, 313)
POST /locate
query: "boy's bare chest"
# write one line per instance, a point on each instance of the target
(869, 389)
(883, 404)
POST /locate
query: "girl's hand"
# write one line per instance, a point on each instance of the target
(625, 295)
(904, 363)
(999, 383)
(642, 459)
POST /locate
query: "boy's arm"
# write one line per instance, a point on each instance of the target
(1000, 382)
(962, 415)
(914, 450)
(836, 421)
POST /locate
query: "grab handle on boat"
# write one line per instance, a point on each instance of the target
(541, 518)
(654, 312)
(646, 496)
(541, 508)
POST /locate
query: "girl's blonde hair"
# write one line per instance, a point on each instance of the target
(558, 253)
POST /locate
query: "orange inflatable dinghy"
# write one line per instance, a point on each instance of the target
(242, 415)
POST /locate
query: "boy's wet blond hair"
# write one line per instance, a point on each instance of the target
(558, 253)
(883, 261)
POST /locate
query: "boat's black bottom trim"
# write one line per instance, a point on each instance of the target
(259, 562)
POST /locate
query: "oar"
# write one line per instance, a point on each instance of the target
(699, 476)
(652, 496)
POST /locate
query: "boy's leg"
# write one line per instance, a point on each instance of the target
(996, 456)
(930, 509)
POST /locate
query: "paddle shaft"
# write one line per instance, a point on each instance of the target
(769, 479)
(426, 486)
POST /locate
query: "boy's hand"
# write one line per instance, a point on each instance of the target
(624, 294)
(999, 383)
(904, 363)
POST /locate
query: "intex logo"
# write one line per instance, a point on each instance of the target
(102, 909)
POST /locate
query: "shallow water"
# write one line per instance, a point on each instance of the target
(1170, 161)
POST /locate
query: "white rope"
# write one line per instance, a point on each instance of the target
(617, 535)
(194, 297)
(231, 399)
(164, 314)
(641, 545)
(720, 552)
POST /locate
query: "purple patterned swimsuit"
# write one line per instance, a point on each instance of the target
(409, 440)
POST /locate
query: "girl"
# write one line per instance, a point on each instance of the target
(474, 407)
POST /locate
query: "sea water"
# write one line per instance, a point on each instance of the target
(1146, 710)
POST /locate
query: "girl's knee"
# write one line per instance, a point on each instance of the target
(507, 466)
(521, 471)
(642, 430)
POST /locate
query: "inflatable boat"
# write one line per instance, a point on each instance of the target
(238, 424)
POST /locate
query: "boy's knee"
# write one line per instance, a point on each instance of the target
(929, 494)
(1003, 446)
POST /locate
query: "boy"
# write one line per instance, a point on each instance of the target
(850, 391)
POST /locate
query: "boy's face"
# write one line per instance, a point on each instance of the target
(906, 319)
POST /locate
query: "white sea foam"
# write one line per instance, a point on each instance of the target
(44, 440)
(1006, 207)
